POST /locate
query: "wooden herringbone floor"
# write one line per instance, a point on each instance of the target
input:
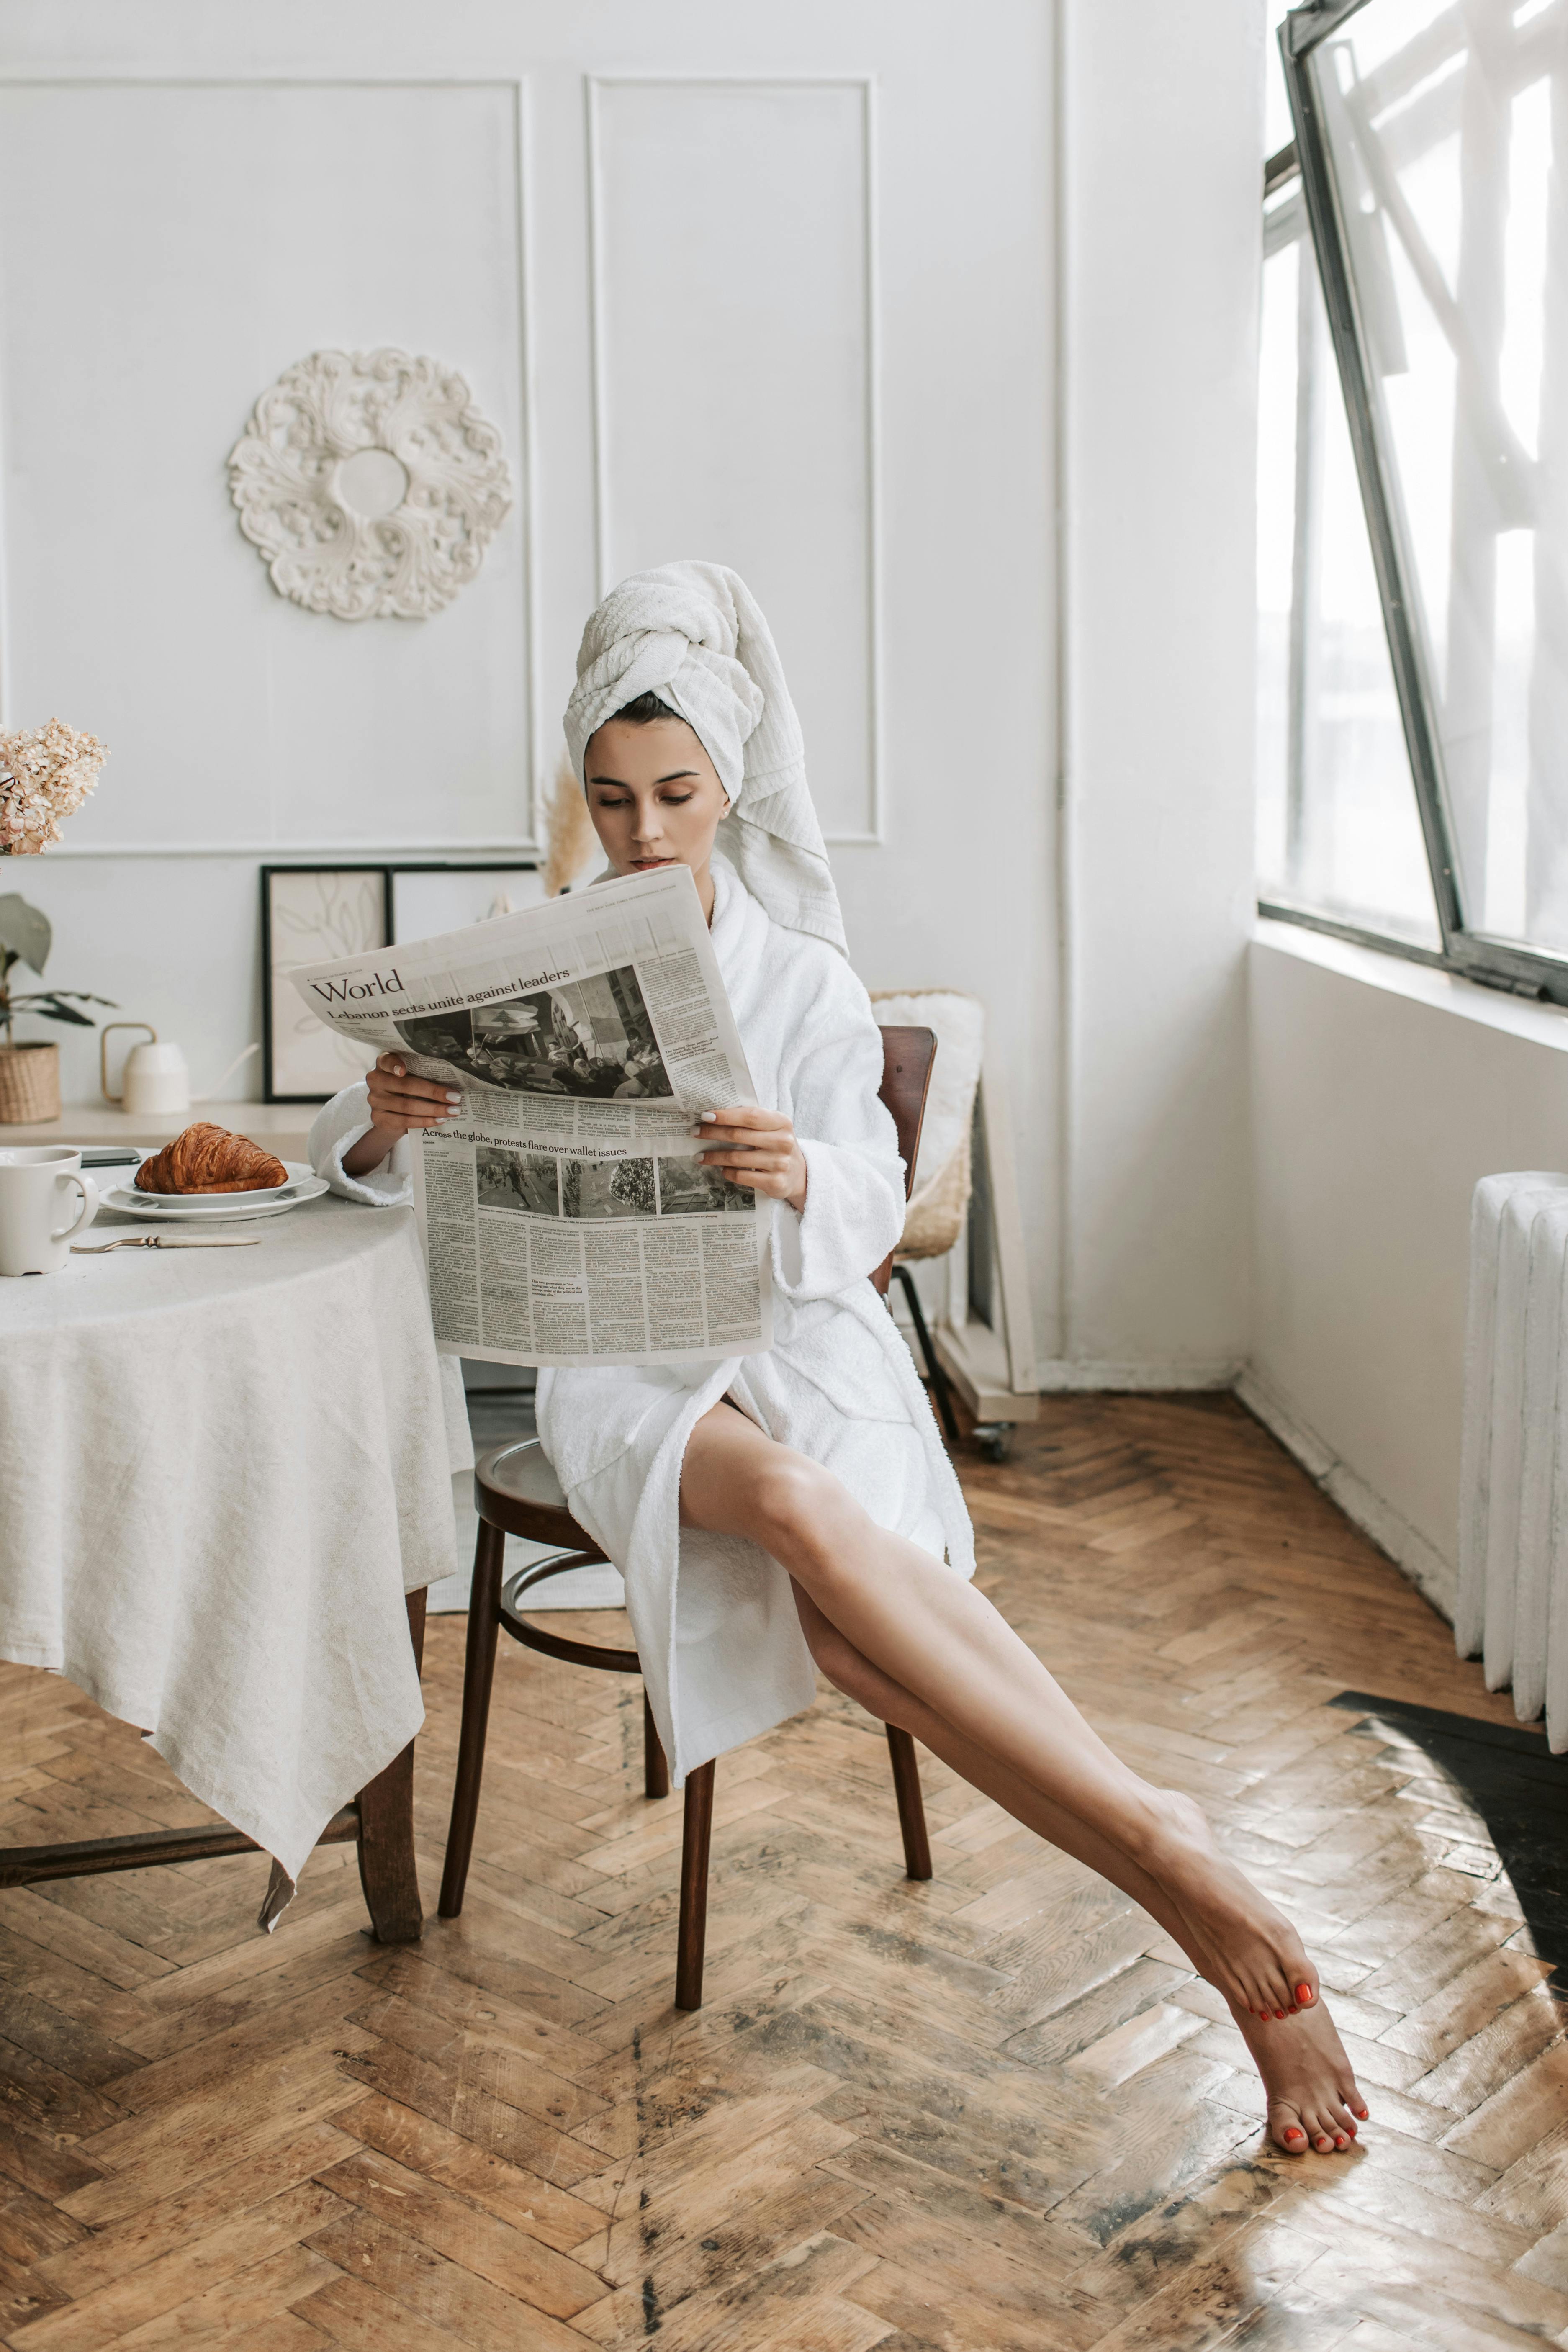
(994, 2111)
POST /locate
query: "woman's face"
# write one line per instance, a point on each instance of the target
(653, 795)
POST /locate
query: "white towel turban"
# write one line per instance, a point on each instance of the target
(694, 634)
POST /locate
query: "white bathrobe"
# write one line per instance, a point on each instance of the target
(722, 1655)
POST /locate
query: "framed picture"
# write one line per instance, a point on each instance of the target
(309, 914)
(429, 899)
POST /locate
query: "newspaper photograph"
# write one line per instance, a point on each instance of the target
(562, 1211)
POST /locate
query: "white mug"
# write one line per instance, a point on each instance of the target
(36, 1182)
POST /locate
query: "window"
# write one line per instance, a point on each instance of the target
(1413, 518)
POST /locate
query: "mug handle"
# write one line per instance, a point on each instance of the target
(88, 1211)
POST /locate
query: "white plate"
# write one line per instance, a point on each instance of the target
(202, 1208)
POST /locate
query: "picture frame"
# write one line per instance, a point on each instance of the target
(985, 1334)
(311, 913)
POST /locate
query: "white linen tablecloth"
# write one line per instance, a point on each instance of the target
(220, 1471)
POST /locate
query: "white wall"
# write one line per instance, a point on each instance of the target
(1382, 1092)
(791, 304)
(1163, 125)
(869, 422)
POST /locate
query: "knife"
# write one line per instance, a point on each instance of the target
(168, 1240)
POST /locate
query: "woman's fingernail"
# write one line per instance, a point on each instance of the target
(453, 1098)
(398, 1071)
(708, 1117)
(1304, 1994)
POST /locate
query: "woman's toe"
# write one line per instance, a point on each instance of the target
(1287, 2131)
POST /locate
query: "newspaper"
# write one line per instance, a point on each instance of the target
(564, 1214)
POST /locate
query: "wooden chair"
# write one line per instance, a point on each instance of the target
(517, 1493)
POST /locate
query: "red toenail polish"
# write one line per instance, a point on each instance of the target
(1295, 2135)
(1304, 1992)
(1278, 2012)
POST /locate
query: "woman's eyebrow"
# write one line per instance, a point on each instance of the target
(676, 776)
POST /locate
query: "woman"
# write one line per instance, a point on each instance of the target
(797, 1505)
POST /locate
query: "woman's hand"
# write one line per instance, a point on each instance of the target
(757, 1149)
(397, 1103)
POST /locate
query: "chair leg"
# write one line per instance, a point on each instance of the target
(655, 1762)
(911, 1805)
(939, 1387)
(698, 1832)
(478, 1672)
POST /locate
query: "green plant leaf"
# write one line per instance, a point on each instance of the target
(51, 1009)
(25, 930)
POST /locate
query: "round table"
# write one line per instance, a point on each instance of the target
(221, 1473)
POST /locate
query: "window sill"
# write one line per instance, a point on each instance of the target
(1419, 983)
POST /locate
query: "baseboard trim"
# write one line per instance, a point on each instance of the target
(1058, 1376)
(1431, 1574)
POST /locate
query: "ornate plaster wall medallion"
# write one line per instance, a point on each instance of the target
(370, 483)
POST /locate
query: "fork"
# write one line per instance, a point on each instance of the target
(167, 1241)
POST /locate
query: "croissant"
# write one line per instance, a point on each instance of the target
(207, 1159)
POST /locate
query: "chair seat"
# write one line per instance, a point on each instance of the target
(516, 1488)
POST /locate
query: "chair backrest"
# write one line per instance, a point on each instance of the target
(906, 1059)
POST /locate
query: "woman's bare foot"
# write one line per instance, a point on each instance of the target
(1313, 2101)
(1258, 1961)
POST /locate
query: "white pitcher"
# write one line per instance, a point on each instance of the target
(154, 1081)
(36, 1180)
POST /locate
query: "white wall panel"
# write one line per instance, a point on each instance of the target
(1382, 1093)
(734, 376)
(167, 250)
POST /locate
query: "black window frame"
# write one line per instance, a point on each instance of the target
(1475, 955)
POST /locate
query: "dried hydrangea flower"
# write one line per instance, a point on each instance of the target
(45, 773)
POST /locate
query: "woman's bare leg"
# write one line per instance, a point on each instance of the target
(939, 1638)
(1310, 2087)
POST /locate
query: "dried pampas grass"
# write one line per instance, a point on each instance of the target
(45, 773)
(570, 841)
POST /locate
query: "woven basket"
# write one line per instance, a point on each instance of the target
(30, 1084)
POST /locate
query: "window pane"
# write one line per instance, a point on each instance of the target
(1445, 125)
(1337, 823)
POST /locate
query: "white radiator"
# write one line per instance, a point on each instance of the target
(1513, 1466)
